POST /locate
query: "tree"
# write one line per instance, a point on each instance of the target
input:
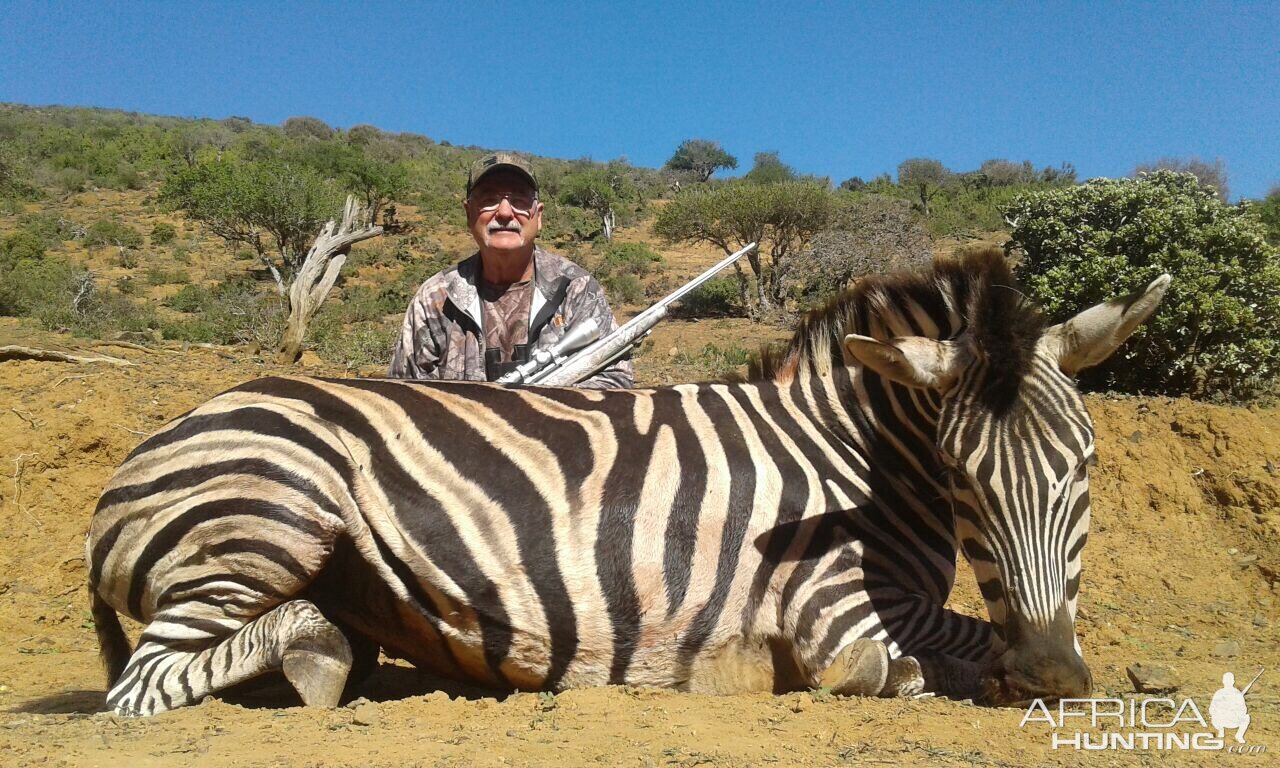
(599, 190)
(853, 184)
(307, 128)
(1006, 173)
(873, 234)
(274, 207)
(701, 157)
(375, 182)
(1269, 212)
(184, 143)
(1212, 175)
(1217, 332)
(781, 217)
(769, 169)
(925, 177)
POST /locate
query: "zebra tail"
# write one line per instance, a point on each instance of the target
(113, 644)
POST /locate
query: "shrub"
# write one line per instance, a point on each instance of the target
(48, 228)
(629, 259)
(163, 233)
(20, 245)
(718, 297)
(353, 346)
(714, 361)
(112, 232)
(233, 311)
(307, 128)
(1217, 332)
(1269, 212)
(568, 223)
(158, 276)
(363, 303)
(623, 288)
(876, 234)
(31, 283)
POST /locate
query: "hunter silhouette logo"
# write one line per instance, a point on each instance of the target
(1156, 724)
(1228, 710)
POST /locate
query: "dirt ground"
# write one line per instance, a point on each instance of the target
(1181, 570)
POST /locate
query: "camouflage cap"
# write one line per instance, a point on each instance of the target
(496, 161)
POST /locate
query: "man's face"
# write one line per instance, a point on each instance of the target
(503, 212)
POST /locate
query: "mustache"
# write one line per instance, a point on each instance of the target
(510, 226)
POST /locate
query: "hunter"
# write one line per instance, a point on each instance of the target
(479, 319)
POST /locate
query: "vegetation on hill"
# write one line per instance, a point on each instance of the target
(1217, 332)
(115, 223)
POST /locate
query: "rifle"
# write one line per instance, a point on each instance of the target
(580, 355)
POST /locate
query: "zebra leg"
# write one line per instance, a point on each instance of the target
(938, 650)
(293, 637)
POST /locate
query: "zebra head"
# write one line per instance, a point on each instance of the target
(1016, 440)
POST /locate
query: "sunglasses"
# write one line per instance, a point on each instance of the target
(521, 202)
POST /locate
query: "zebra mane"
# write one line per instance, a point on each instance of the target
(973, 291)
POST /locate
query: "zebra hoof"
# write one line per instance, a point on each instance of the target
(906, 679)
(860, 669)
(317, 677)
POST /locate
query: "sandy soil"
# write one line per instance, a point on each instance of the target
(1181, 570)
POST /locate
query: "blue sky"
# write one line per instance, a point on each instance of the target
(838, 89)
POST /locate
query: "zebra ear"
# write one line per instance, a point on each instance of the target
(913, 361)
(1091, 336)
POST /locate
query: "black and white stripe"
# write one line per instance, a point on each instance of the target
(705, 537)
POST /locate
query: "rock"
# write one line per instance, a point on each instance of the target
(1259, 621)
(673, 352)
(366, 714)
(1152, 678)
(1136, 437)
(310, 359)
(1227, 649)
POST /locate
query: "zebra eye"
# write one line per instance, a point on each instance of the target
(1082, 471)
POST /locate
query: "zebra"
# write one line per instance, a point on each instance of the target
(796, 529)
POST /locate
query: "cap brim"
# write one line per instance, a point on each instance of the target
(502, 167)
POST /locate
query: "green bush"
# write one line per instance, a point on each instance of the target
(30, 284)
(17, 246)
(563, 223)
(48, 228)
(234, 311)
(112, 232)
(623, 288)
(63, 297)
(1217, 332)
(352, 345)
(163, 233)
(718, 297)
(1269, 212)
(713, 360)
(363, 303)
(629, 259)
(158, 276)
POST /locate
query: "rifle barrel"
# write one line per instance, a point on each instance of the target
(591, 358)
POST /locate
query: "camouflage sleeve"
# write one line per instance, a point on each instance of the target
(415, 355)
(586, 299)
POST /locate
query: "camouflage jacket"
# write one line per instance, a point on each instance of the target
(443, 337)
